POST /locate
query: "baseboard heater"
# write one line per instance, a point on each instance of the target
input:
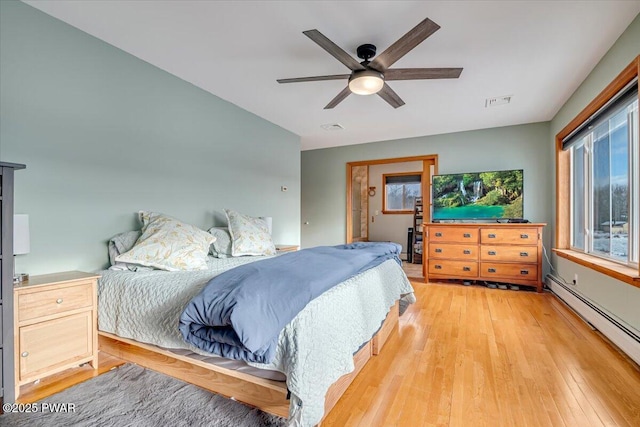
(627, 340)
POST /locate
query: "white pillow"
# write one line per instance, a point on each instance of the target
(169, 244)
(249, 235)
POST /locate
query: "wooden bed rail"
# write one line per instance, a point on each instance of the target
(267, 395)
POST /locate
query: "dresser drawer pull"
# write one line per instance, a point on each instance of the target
(24, 354)
(438, 250)
(492, 236)
(438, 234)
(492, 270)
(524, 272)
(524, 236)
(466, 268)
(466, 252)
(491, 252)
(59, 301)
(438, 267)
(524, 253)
(467, 235)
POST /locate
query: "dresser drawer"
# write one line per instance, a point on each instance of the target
(509, 253)
(453, 268)
(512, 236)
(453, 235)
(46, 302)
(47, 345)
(453, 251)
(509, 271)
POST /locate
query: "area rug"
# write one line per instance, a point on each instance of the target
(134, 396)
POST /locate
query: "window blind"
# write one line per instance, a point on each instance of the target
(403, 179)
(621, 100)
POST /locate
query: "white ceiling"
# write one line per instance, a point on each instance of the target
(537, 51)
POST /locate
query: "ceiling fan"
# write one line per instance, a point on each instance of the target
(369, 77)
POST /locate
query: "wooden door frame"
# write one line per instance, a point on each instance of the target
(426, 186)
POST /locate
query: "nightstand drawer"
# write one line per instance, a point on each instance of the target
(44, 346)
(46, 302)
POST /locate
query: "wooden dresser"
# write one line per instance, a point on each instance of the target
(509, 253)
(55, 324)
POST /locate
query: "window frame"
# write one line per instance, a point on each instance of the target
(384, 193)
(587, 144)
(563, 237)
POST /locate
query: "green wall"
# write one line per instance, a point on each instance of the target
(104, 134)
(617, 298)
(514, 147)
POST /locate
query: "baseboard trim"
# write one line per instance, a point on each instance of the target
(626, 339)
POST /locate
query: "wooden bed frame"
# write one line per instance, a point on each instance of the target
(267, 395)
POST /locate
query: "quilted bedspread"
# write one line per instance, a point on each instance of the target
(313, 350)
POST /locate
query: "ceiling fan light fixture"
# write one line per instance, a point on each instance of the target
(366, 82)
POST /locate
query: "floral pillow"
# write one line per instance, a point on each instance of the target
(249, 235)
(169, 244)
(221, 248)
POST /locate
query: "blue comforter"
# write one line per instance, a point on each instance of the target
(240, 313)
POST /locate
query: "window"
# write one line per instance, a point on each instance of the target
(604, 177)
(400, 192)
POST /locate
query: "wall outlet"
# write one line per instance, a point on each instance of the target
(575, 279)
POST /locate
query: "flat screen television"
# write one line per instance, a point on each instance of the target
(481, 195)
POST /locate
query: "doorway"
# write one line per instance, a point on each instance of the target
(369, 215)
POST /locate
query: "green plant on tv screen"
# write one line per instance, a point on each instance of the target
(495, 194)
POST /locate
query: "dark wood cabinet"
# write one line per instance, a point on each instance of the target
(7, 375)
(418, 244)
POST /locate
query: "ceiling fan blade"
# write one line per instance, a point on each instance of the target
(315, 79)
(404, 44)
(339, 98)
(422, 73)
(333, 49)
(390, 96)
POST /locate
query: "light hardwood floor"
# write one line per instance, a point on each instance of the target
(472, 356)
(413, 271)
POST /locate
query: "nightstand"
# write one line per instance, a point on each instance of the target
(286, 248)
(55, 324)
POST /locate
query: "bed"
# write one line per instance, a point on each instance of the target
(138, 313)
(329, 319)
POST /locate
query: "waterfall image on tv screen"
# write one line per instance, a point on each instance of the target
(482, 195)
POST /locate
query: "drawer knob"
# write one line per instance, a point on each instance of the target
(438, 234)
(524, 236)
(492, 252)
(59, 301)
(524, 253)
(466, 252)
(466, 268)
(524, 272)
(438, 250)
(492, 270)
(492, 236)
(438, 267)
(24, 354)
(467, 235)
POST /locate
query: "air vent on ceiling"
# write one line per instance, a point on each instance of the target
(498, 100)
(332, 126)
